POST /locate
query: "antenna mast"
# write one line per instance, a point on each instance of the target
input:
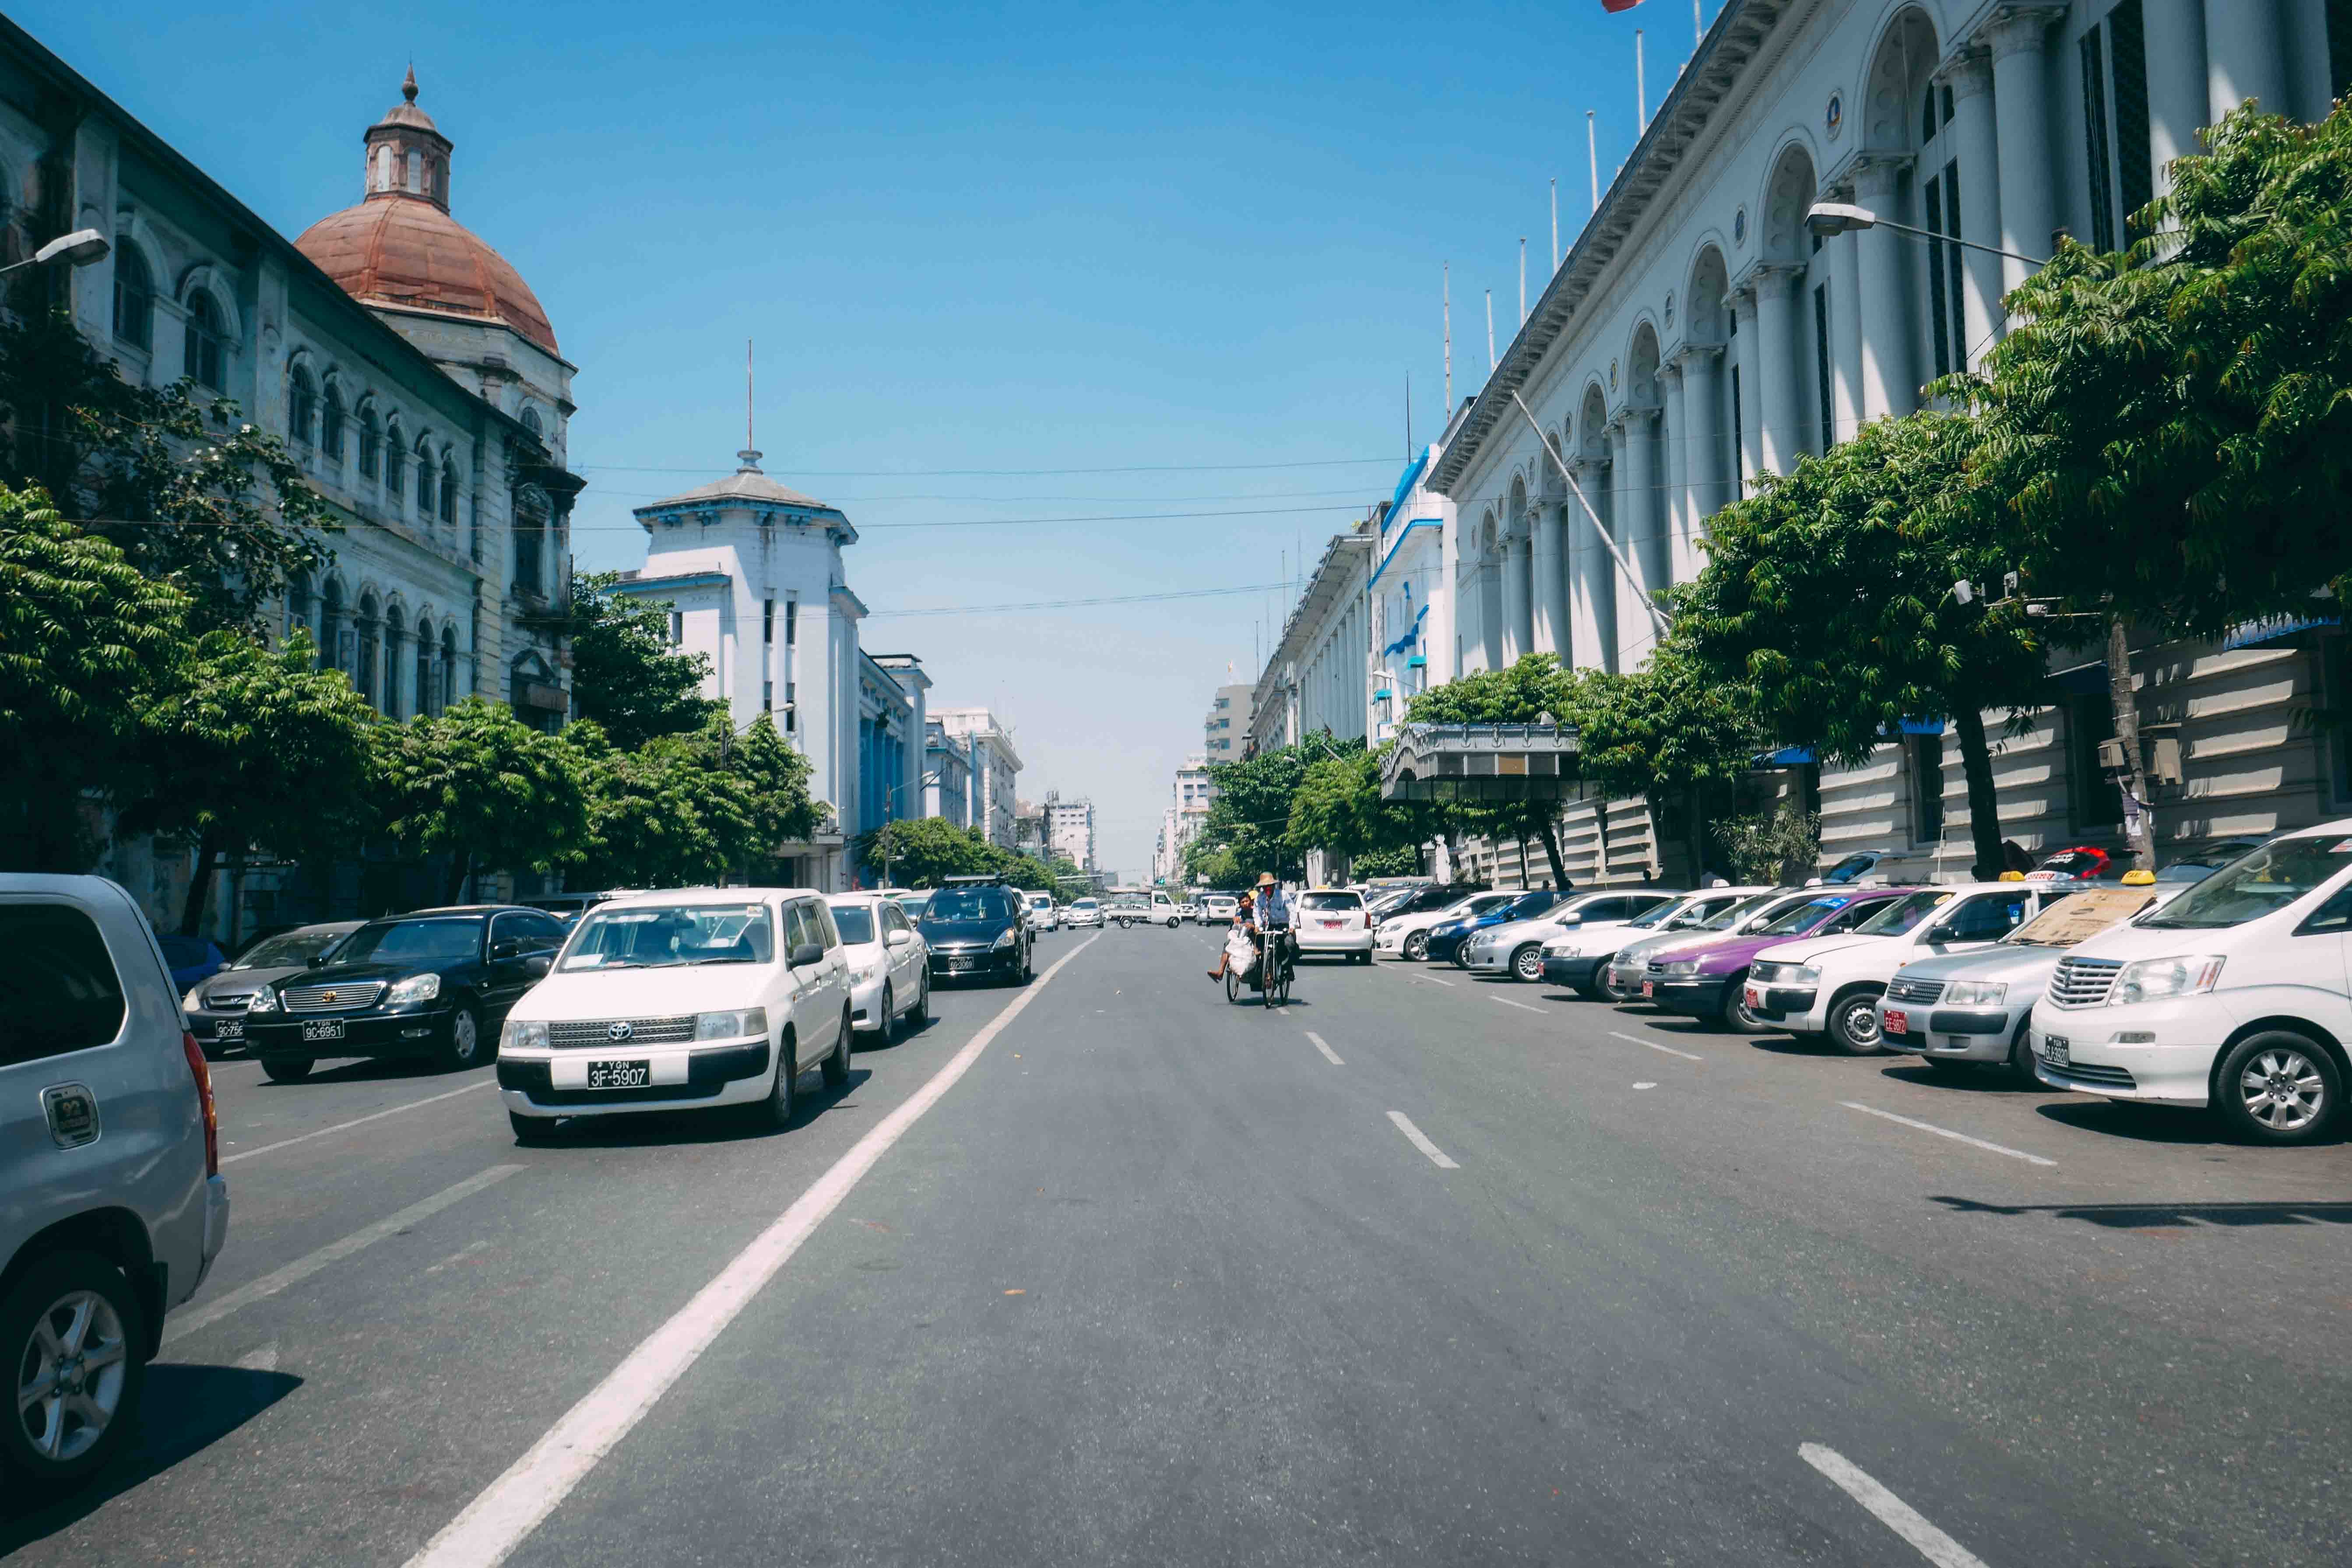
(749, 457)
(1448, 276)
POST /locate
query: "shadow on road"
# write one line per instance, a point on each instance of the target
(186, 1410)
(1991, 1078)
(2157, 1123)
(2150, 1216)
(371, 1069)
(712, 1124)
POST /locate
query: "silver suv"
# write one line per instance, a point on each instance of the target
(111, 1202)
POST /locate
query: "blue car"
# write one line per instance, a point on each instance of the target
(1445, 941)
(192, 958)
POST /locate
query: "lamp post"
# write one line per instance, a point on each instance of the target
(890, 793)
(1829, 219)
(79, 248)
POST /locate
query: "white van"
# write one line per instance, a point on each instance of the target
(2233, 995)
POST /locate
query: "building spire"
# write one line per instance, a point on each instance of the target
(408, 88)
(749, 456)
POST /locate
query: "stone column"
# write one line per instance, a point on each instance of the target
(1970, 75)
(1701, 368)
(2246, 57)
(1774, 354)
(1845, 337)
(1637, 535)
(1550, 570)
(1443, 596)
(1674, 473)
(2021, 79)
(1889, 385)
(1593, 611)
(1523, 571)
(2176, 100)
(1515, 588)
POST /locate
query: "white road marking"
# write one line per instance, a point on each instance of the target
(263, 1359)
(357, 1122)
(1522, 1007)
(1420, 1140)
(506, 1511)
(302, 1268)
(1948, 1132)
(1636, 1039)
(1646, 1085)
(1329, 1054)
(459, 1255)
(1433, 978)
(1890, 1510)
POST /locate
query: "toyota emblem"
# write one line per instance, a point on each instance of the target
(620, 1032)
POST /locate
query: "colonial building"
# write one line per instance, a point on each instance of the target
(1699, 334)
(1314, 678)
(995, 771)
(416, 382)
(950, 767)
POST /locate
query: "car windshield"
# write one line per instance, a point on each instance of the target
(963, 904)
(1483, 903)
(2255, 885)
(1847, 869)
(1088, 904)
(1329, 901)
(1903, 914)
(856, 923)
(1750, 918)
(1651, 920)
(671, 936)
(418, 941)
(1803, 917)
(2068, 919)
(291, 951)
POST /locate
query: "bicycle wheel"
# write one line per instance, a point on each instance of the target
(1232, 986)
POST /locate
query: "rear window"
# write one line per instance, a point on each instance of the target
(857, 924)
(1349, 901)
(63, 994)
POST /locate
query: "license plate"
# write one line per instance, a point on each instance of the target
(2057, 1050)
(619, 1075)
(1649, 989)
(229, 1029)
(1752, 997)
(1898, 1021)
(321, 1029)
(955, 964)
(1330, 925)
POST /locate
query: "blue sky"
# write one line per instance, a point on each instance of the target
(1199, 243)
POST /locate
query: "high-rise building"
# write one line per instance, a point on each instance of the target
(1224, 734)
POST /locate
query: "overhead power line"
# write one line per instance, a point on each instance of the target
(1388, 462)
(1078, 604)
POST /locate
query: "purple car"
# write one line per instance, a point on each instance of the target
(1703, 978)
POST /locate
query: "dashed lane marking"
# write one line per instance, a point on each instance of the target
(1329, 1054)
(1420, 1140)
(1889, 1510)
(356, 1121)
(1636, 1039)
(1948, 1132)
(1522, 1007)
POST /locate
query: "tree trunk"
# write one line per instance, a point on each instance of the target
(2139, 822)
(1549, 828)
(200, 886)
(1984, 802)
(459, 870)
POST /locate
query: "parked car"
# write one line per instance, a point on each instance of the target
(2231, 995)
(911, 902)
(695, 998)
(1623, 977)
(192, 958)
(112, 1207)
(2195, 861)
(889, 963)
(1331, 919)
(214, 1008)
(569, 907)
(1447, 937)
(1043, 914)
(1853, 867)
(1189, 910)
(1425, 897)
(1407, 936)
(975, 930)
(432, 984)
(1576, 956)
(1084, 913)
(1218, 908)
(1960, 1009)
(1516, 948)
(1829, 982)
(1706, 978)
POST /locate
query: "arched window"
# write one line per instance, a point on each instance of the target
(449, 492)
(382, 167)
(530, 423)
(448, 665)
(297, 603)
(364, 670)
(395, 467)
(301, 406)
(333, 653)
(423, 480)
(208, 348)
(428, 699)
(330, 423)
(370, 442)
(396, 639)
(134, 300)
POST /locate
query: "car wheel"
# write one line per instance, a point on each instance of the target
(886, 1033)
(1592, 993)
(531, 1129)
(1416, 946)
(1736, 1014)
(463, 1048)
(1853, 1023)
(2279, 1088)
(1526, 964)
(1028, 966)
(776, 1111)
(2021, 1055)
(72, 1329)
(920, 1013)
(836, 1066)
(286, 1070)
(1365, 958)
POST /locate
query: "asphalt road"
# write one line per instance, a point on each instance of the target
(1420, 1268)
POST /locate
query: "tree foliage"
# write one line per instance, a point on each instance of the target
(477, 782)
(1245, 830)
(1535, 691)
(625, 673)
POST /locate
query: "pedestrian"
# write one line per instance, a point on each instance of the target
(1239, 950)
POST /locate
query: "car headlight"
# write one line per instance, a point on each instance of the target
(730, 1026)
(1679, 966)
(193, 1002)
(521, 1033)
(2152, 979)
(1977, 993)
(1004, 939)
(263, 1001)
(864, 973)
(1563, 950)
(415, 988)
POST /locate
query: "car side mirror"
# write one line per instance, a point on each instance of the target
(538, 964)
(318, 961)
(506, 948)
(808, 952)
(900, 937)
(1936, 934)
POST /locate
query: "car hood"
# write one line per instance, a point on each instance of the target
(1722, 954)
(940, 933)
(360, 973)
(650, 993)
(1812, 949)
(239, 982)
(2012, 962)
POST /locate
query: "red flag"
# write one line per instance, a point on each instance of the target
(1613, 7)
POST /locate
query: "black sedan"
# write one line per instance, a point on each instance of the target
(976, 932)
(434, 983)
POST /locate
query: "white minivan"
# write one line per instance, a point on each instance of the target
(2233, 995)
(694, 998)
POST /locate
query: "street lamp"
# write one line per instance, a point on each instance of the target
(79, 248)
(1829, 219)
(890, 793)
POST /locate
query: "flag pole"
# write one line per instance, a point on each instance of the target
(1593, 158)
(1554, 223)
(1490, 332)
(1641, 91)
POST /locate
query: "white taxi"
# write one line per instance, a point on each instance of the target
(1331, 919)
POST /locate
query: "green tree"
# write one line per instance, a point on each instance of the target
(1535, 691)
(777, 777)
(1828, 596)
(1251, 816)
(191, 493)
(624, 674)
(254, 749)
(924, 851)
(1337, 809)
(664, 814)
(89, 645)
(494, 792)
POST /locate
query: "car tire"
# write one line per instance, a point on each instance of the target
(1365, 958)
(1853, 1023)
(64, 1283)
(1591, 992)
(2021, 1055)
(286, 1070)
(776, 1111)
(886, 1030)
(1028, 966)
(1416, 946)
(2279, 1086)
(919, 1015)
(1526, 964)
(836, 1066)
(531, 1129)
(1734, 1015)
(462, 1046)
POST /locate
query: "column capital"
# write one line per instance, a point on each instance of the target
(1877, 176)
(2014, 29)
(1772, 277)
(1696, 353)
(1672, 367)
(1966, 70)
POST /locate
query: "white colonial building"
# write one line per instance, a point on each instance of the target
(994, 771)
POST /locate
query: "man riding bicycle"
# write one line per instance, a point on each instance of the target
(1269, 922)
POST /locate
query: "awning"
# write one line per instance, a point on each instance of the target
(2274, 629)
(1787, 757)
(1484, 763)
